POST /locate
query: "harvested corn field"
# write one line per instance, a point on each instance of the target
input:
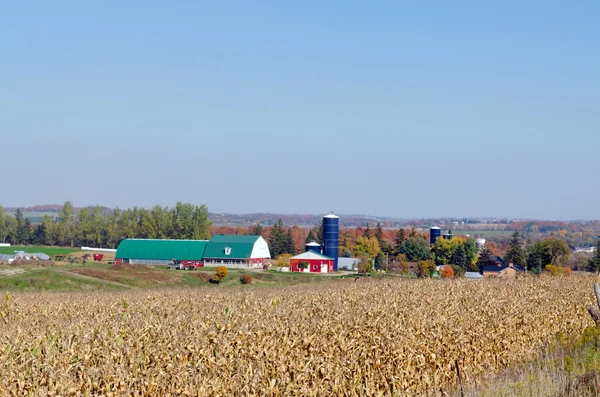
(390, 337)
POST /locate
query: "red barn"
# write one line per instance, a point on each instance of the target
(316, 263)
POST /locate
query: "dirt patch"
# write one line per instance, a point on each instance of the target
(28, 263)
(11, 272)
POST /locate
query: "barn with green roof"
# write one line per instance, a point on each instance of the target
(222, 250)
(159, 252)
(236, 251)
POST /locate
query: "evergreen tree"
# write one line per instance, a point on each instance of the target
(413, 232)
(515, 253)
(485, 258)
(310, 238)
(380, 262)
(39, 235)
(319, 234)
(257, 229)
(367, 233)
(379, 233)
(460, 258)
(594, 264)
(534, 259)
(277, 240)
(23, 228)
(290, 245)
(400, 238)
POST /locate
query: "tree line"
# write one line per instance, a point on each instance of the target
(106, 229)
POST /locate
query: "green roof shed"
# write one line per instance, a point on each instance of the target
(161, 249)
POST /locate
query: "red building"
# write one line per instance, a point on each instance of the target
(315, 263)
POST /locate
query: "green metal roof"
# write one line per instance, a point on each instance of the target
(241, 246)
(161, 249)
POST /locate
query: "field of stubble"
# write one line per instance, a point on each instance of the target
(372, 337)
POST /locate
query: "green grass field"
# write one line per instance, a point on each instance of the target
(73, 277)
(49, 280)
(35, 248)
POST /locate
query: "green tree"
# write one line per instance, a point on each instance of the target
(515, 253)
(290, 245)
(380, 262)
(379, 233)
(415, 249)
(3, 226)
(66, 220)
(485, 258)
(459, 258)
(257, 229)
(310, 238)
(594, 264)
(470, 247)
(277, 239)
(23, 231)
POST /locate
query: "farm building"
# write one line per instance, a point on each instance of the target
(315, 262)
(237, 251)
(160, 252)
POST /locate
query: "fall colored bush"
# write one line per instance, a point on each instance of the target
(425, 268)
(446, 272)
(246, 279)
(221, 273)
(558, 270)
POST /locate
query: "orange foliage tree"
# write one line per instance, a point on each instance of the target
(447, 272)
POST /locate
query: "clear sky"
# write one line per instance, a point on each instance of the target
(405, 109)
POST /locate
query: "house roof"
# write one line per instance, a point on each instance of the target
(240, 247)
(311, 255)
(161, 249)
(499, 268)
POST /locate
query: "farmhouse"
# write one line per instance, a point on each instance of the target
(315, 263)
(237, 251)
(501, 271)
(160, 252)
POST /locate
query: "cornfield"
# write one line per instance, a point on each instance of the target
(372, 337)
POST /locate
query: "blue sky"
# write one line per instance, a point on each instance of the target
(426, 109)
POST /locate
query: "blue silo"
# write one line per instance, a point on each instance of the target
(312, 246)
(331, 231)
(434, 233)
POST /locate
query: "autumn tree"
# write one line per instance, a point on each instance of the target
(368, 247)
(447, 272)
(516, 253)
(400, 238)
(443, 250)
(415, 249)
(425, 268)
(221, 272)
(367, 233)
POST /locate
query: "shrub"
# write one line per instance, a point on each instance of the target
(447, 272)
(246, 279)
(425, 268)
(221, 273)
(458, 271)
(558, 270)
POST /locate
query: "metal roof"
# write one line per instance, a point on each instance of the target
(313, 244)
(311, 255)
(223, 246)
(161, 249)
(331, 216)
